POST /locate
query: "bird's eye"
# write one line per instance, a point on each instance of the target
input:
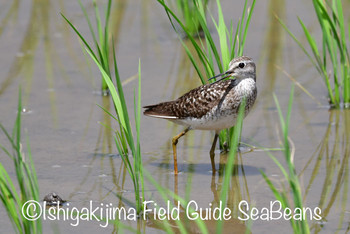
(241, 65)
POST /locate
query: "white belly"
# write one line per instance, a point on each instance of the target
(214, 124)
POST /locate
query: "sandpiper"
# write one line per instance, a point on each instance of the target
(212, 106)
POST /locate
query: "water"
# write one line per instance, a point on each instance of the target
(75, 156)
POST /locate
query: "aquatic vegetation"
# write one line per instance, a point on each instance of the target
(333, 60)
(166, 194)
(234, 141)
(13, 200)
(101, 40)
(211, 55)
(289, 173)
(189, 14)
(332, 153)
(124, 138)
(122, 117)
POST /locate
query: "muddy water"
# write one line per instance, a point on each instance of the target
(75, 156)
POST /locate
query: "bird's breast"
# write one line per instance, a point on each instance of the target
(230, 102)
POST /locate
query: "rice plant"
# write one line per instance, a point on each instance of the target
(183, 224)
(122, 117)
(234, 141)
(210, 54)
(289, 173)
(13, 199)
(332, 61)
(101, 40)
(124, 138)
(101, 55)
(189, 14)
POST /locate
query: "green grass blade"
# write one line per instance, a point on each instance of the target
(250, 13)
(194, 63)
(81, 37)
(231, 159)
(115, 96)
(221, 29)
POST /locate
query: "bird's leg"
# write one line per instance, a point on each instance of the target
(175, 140)
(212, 153)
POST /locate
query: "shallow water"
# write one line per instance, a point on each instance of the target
(75, 156)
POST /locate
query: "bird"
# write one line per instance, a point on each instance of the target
(212, 106)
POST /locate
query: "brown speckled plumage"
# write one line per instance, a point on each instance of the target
(212, 106)
(211, 101)
(195, 104)
(199, 101)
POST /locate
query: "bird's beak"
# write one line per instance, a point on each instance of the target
(225, 75)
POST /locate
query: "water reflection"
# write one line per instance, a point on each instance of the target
(237, 192)
(10, 15)
(24, 61)
(38, 30)
(106, 175)
(105, 136)
(330, 167)
(230, 226)
(272, 53)
(117, 17)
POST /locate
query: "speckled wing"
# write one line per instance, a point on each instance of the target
(195, 104)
